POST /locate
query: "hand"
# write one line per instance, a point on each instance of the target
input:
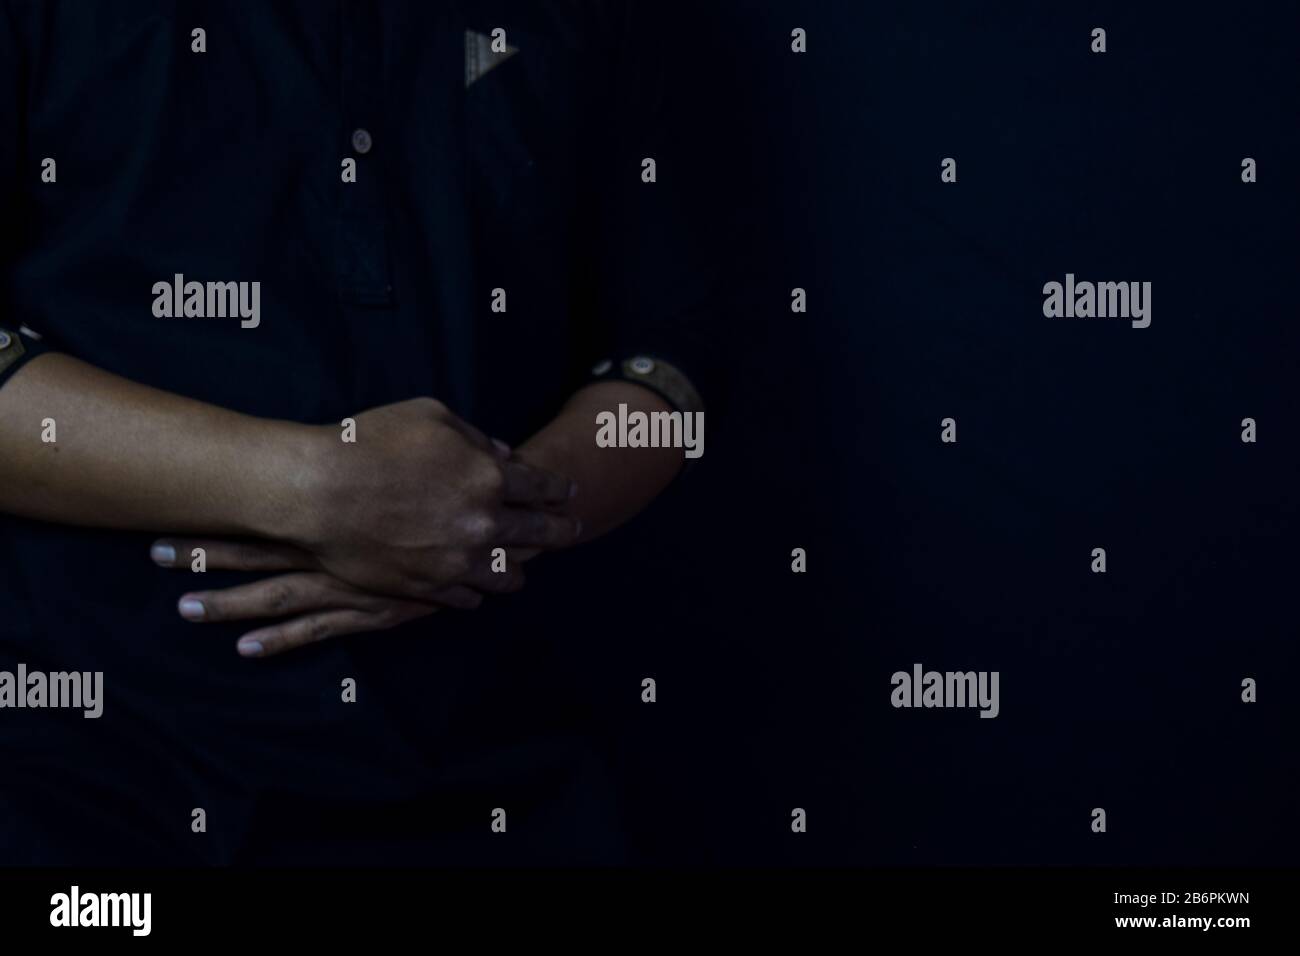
(318, 605)
(416, 504)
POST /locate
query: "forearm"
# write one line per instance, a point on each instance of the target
(614, 484)
(132, 457)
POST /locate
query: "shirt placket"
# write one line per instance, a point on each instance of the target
(364, 270)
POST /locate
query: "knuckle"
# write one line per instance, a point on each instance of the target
(491, 478)
(316, 629)
(489, 529)
(279, 597)
(430, 406)
(481, 528)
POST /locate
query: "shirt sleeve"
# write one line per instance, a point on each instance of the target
(17, 348)
(18, 345)
(656, 292)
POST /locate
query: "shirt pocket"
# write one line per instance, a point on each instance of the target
(521, 116)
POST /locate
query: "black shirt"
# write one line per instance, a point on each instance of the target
(474, 171)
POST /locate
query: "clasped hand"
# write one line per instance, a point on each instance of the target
(394, 526)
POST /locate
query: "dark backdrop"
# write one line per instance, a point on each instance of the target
(1120, 690)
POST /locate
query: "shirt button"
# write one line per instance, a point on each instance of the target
(361, 141)
(5, 340)
(642, 365)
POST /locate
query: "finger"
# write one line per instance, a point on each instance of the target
(529, 485)
(521, 528)
(275, 597)
(495, 582)
(230, 555)
(310, 628)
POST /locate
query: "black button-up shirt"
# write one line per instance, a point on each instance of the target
(518, 172)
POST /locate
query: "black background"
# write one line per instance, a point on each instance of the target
(1119, 690)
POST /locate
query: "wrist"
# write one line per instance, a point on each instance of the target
(293, 485)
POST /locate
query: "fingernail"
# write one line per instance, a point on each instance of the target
(502, 447)
(249, 648)
(192, 609)
(163, 554)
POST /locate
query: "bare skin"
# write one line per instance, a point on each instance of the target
(390, 527)
(613, 485)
